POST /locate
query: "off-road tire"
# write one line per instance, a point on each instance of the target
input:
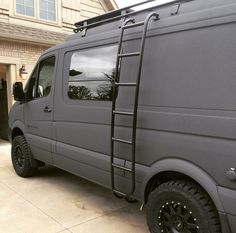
(183, 207)
(22, 158)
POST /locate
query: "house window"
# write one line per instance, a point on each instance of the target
(25, 7)
(47, 9)
(91, 74)
(40, 9)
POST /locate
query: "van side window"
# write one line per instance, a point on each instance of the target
(46, 73)
(91, 74)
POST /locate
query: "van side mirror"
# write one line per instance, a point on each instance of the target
(18, 92)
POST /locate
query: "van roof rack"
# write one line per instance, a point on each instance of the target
(118, 14)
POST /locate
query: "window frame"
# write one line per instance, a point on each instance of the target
(37, 70)
(37, 13)
(67, 63)
(34, 7)
(27, 87)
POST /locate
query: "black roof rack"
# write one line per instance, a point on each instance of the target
(118, 14)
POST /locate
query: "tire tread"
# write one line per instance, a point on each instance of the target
(28, 170)
(196, 194)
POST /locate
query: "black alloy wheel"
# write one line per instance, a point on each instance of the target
(177, 217)
(181, 207)
(18, 157)
(22, 158)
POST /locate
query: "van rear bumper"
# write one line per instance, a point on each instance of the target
(228, 198)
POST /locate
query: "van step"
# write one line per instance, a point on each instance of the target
(121, 141)
(126, 84)
(129, 54)
(119, 193)
(123, 113)
(134, 25)
(121, 167)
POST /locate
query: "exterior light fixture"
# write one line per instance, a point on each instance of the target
(23, 72)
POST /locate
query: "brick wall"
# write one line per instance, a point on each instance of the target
(27, 54)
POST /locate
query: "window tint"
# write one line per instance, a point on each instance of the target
(46, 73)
(25, 7)
(92, 73)
(47, 9)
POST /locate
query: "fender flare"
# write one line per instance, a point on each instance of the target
(20, 125)
(190, 170)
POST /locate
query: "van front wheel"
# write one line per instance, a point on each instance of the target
(21, 157)
(181, 207)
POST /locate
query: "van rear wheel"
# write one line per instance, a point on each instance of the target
(21, 157)
(181, 207)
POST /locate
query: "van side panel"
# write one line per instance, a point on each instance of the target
(186, 108)
(187, 99)
(82, 130)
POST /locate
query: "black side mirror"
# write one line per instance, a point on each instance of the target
(18, 92)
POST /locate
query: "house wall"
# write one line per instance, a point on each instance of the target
(18, 53)
(67, 13)
(15, 51)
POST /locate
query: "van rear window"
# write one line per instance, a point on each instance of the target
(91, 73)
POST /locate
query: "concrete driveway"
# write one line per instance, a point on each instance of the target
(55, 201)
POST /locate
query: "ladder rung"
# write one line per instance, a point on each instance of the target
(123, 113)
(126, 84)
(122, 168)
(129, 54)
(134, 25)
(121, 141)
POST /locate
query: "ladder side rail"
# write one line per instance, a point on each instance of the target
(143, 40)
(115, 88)
(115, 93)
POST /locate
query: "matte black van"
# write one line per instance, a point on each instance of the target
(144, 103)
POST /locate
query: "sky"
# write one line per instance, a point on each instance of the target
(123, 3)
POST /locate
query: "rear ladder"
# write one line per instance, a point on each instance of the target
(128, 24)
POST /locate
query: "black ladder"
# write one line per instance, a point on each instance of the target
(128, 24)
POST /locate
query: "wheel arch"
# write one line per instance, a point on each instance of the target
(170, 169)
(17, 129)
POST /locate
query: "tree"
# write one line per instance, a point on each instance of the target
(105, 91)
(79, 92)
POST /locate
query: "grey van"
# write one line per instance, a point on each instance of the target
(144, 103)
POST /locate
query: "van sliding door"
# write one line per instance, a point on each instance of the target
(83, 112)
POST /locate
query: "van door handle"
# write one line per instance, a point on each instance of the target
(47, 109)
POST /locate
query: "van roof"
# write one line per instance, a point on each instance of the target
(170, 14)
